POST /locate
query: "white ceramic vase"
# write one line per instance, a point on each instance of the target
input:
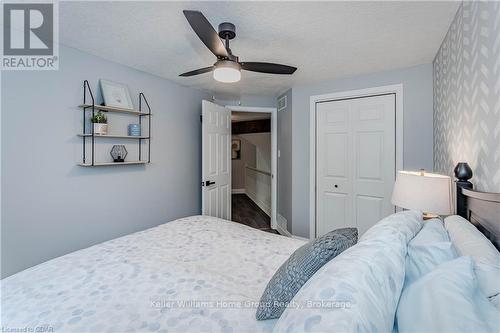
(100, 129)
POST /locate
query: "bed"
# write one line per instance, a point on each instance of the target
(482, 209)
(204, 274)
(132, 283)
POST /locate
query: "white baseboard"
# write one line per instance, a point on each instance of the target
(282, 222)
(238, 191)
(301, 238)
(282, 225)
(259, 203)
(282, 231)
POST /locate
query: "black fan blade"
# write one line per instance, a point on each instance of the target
(198, 71)
(206, 32)
(266, 67)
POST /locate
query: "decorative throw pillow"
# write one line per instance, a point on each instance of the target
(301, 265)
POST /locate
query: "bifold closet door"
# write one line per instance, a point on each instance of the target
(355, 162)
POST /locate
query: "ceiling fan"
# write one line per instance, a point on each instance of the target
(227, 68)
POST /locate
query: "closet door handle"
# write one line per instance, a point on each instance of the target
(208, 183)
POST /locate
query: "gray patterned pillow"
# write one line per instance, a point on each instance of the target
(301, 265)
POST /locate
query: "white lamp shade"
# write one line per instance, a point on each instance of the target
(427, 192)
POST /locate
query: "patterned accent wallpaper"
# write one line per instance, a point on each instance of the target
(467, 95)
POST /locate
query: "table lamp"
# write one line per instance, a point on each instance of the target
(427, 192)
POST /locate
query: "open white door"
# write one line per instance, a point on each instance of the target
(216, 160)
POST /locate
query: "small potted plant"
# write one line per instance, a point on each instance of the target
(100, 122)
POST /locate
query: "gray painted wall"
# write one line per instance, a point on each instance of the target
(418, 127)
(265, 101)
(285, 161)
(50, 206)
(467, 95)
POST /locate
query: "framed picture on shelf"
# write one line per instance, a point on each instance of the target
(116, 94)
(236, 149)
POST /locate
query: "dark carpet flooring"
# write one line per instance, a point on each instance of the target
(246, 212)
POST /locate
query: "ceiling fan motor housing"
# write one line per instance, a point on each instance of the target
(227, 29)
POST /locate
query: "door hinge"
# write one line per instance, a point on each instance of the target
(201, 118)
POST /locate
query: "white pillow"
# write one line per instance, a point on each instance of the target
(447, 299)
(394, 224)
(357, 291)
(430, 247)
(495, 300)
(469, 241)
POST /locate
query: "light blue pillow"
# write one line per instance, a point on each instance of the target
(357, 291)
(430, 247)
(448, 299)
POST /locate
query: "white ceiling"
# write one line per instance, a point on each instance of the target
(237, 116)
(325, 40)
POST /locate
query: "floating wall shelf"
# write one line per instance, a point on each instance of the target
(114, 109)
(115, 136)
(91, 109)
(112, 163)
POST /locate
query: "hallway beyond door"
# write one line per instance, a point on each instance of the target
(246, 212)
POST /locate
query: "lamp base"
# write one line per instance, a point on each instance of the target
(428, 216)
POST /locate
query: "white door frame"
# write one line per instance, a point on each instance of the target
(274, 152)
(396, 89)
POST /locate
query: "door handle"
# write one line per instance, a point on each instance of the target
(208, 183)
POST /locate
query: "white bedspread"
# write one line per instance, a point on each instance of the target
(138, 283)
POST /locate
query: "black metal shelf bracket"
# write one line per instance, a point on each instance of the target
(141, 98)
(86, 88)
(87, 91)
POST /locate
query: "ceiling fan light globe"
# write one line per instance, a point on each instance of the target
(227, 72)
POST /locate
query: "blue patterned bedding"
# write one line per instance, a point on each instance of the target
(197, 274)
